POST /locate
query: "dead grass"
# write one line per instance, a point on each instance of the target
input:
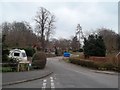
(110, 58)
(113, 59)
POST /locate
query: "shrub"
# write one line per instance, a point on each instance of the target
(107, 66)
(95, 64)
(39, 60)
(11, 63)
(29, 51)
(85, 63)
(7, 69)
(5, 53)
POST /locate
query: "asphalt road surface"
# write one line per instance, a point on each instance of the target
(68, 75)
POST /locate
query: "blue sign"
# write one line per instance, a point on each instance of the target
(66, 54)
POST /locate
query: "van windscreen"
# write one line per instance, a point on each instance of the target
(16, 54)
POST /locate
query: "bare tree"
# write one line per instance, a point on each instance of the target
(50, 28)
(18, 34)
(44, 20)
(75, 44)
(110, 39)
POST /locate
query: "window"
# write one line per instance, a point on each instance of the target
(23, 54)
(16, 54)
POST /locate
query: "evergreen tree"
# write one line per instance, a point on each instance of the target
(94, 46)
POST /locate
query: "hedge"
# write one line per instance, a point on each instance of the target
(94, 65)
(85, 63)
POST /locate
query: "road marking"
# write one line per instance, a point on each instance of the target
(52, 83)
(45, 80)
(44, 84)
(51, 78)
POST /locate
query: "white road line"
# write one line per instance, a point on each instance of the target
(51, 78)
(52, 83)
(44, 80)
(44, 84)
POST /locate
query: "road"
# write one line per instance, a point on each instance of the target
(68, 75)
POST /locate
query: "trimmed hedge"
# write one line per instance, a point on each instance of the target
(85, 63)
(94, 65)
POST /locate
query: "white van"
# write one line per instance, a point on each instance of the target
(18, 54)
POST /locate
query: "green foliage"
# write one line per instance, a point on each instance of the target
(94, 46)
(8, 64)
(3, 41)
(29, 51)
(6, 69)
(5, 53)
(39, 60)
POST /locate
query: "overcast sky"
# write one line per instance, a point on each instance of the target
(90, 15)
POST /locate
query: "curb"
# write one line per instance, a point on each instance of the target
(27, 80)
(106, 72)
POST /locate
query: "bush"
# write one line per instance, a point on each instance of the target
(106, 66)
(85, 63)
(95, 65)
(29, 51)
(5, 53)
(39, 60)
(11, 63)
(6, 69)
